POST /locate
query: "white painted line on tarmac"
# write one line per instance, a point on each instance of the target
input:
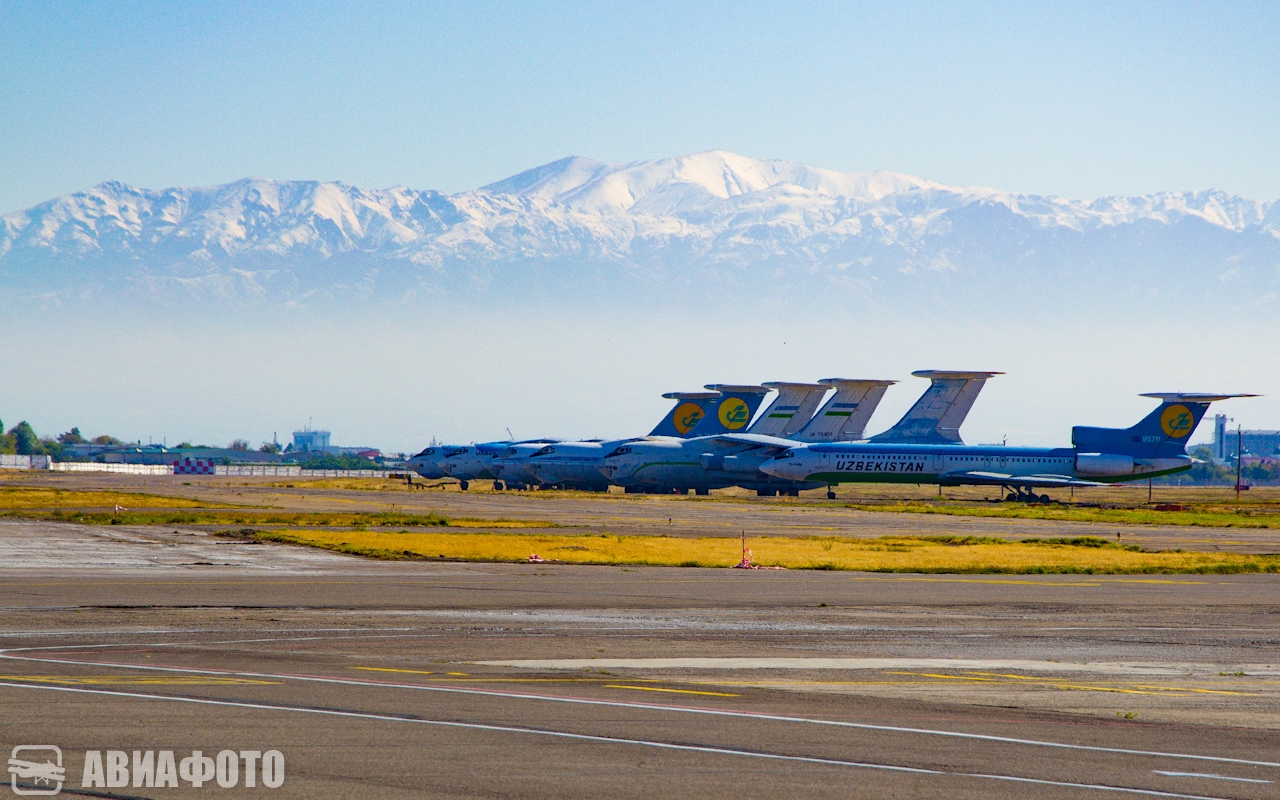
(714, 712)
(1207, 775)
(728, 751)
(835, 663)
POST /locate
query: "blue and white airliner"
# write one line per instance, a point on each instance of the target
(1098, 456)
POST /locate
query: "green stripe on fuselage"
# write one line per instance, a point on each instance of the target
(924, 477)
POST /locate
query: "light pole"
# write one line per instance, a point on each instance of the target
(1239, 458)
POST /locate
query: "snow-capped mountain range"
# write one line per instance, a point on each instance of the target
(712, 225)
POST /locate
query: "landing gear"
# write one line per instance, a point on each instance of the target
(766, 492)
(464, 485)
(497, 486)
(1020, 496)
(793, 493)
(702, 492)
(831, 494)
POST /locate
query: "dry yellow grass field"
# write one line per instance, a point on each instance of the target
(34, 497)
(890, 554)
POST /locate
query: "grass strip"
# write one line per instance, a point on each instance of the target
(245, 516)
(34, 497)
(1198, 517)
(945, 554)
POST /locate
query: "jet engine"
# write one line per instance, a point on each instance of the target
(1103, 464)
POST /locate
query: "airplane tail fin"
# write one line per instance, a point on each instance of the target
(844, 417)
(1162, 433)
(937, 415)
(732, 411)
(685, 415)
(791, 410)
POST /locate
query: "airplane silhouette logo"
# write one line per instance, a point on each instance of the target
(1176, 421)
(39, 767)
(734, 414)
(687, 416)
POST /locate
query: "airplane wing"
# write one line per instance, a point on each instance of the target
(756, 440)
(982, 478)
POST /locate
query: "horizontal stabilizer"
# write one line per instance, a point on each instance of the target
(1192, 397)
(791, 409)
(937, 415)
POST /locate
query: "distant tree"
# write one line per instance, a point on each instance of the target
(269, 447)
(108, 440)
(239, 444)
(332, 461)
(51, 447)
(71, 437)
(25, 440)
(183, 446)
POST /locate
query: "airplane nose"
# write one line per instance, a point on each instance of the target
(770, 467)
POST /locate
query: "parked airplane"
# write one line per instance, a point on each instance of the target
(427, 462)
(575, 465)
(474, 461)
(713, 462)
(666, 465)
(509, 463)
(1098, 456)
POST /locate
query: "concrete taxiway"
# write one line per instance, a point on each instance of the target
(459, 680)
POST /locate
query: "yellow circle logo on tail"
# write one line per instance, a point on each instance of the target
(734, 413)
(1177, 421)
(687, 416)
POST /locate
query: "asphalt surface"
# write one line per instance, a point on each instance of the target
(398, 680)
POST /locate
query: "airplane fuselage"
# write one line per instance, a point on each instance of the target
(831, 464)
(574, 465)
(682, 464)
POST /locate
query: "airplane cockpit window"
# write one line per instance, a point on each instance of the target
(620, 451)
(783, 454)
(546, 451)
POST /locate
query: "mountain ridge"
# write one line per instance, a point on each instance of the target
(713, 219)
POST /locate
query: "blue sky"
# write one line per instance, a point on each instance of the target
(1080, 100)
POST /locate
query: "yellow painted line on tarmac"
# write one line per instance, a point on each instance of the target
(1147, 687)
(136, 680)
(389, 669)
(1135, 688)
(767, 683)
(1081, 687)
(672, 691)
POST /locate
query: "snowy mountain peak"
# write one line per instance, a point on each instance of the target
(707, 219)
(685, 182)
